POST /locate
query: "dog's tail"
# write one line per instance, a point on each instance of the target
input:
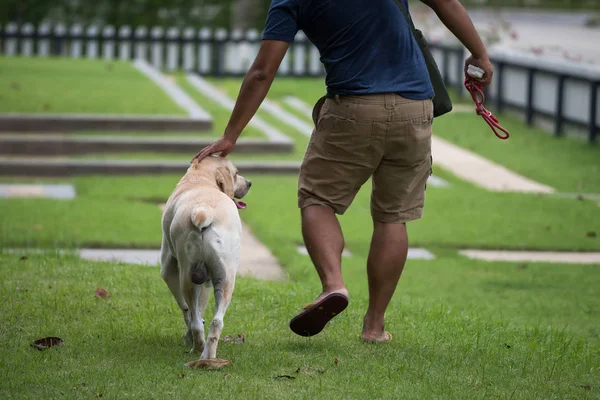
(202, 217)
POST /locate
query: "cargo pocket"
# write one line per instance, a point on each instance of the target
(346, 139)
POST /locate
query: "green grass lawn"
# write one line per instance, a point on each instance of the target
(57, 85)
(455, 217)
(567, 164)
(462, 329)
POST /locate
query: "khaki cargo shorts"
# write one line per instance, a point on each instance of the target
(383, 136)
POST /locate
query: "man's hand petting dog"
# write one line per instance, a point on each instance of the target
(223, 145)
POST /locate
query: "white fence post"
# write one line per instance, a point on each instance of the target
(157, 47)
(172, 49)
(44, 44)
(108, 45)
(315, 66)
(27, 43)
(10, 44)
(124, 43)
(204, 51)
(91, 49)
(249, 49)
(141, 52)
(76, 43)
(299, 53)
(232, 52)
(188, 49)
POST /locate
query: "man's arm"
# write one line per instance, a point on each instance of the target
(454, 16)
(253, 91)
(256, 85)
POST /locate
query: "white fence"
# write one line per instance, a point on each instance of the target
(209, 52)
(562, 93)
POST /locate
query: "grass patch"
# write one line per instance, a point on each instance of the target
(567, 164)
(131, 344)
(58, 85)
(480, 219)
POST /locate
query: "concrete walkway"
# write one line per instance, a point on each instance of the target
(45, 191)
(534, 256)
(481, 171)
(255, 259)
(208, 90)
(178, 95)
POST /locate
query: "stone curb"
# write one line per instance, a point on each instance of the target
(60, 123)
(44, 145)
(67, 168)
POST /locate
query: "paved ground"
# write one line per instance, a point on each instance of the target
(481, 171)
(533, 256)
(556, 34)
(255, 259)
(21, 190)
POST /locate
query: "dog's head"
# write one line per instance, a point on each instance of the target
(225, 175)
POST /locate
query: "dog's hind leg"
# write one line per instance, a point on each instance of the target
(170, 274)
(193, 295)
(223, 290)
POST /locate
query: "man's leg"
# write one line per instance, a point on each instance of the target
(399, 184)
(325, 242)
(387, 256)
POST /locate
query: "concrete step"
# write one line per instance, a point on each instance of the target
(68, 168)
(47, 145)
(17, 122)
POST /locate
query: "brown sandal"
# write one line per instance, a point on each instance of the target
(314, 316)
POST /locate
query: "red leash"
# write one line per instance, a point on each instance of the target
(475, 89)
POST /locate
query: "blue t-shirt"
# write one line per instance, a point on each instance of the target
(366, 46)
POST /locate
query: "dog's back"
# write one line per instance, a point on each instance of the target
(203, 227)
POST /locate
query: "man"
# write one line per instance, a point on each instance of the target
(375, 122)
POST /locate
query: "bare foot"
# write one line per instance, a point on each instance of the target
(324, 294)
(380, 337)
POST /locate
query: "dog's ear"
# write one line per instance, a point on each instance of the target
(225, 181)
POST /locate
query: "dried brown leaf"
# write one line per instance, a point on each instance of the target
(180, 375)
(336, 361)
(103, 294)
(587, 387)
(47, 342)
(211, 363)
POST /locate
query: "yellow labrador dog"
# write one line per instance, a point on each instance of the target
(201, 245)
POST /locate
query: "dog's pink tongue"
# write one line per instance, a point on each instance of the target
(240, 204)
